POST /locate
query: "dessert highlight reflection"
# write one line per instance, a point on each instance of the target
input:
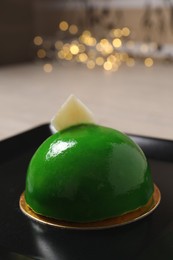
(87, 175)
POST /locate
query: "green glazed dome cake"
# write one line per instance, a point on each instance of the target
(87, 173)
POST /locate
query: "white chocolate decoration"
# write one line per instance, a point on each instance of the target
(72, 112)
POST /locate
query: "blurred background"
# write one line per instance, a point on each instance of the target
(140, 28)
(116, 55)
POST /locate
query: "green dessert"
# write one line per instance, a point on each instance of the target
(87, 173)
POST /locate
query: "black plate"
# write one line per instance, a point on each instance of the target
(149, 238)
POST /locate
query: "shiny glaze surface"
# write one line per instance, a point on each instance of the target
(88, 173)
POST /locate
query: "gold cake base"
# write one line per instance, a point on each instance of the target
(108, 223)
